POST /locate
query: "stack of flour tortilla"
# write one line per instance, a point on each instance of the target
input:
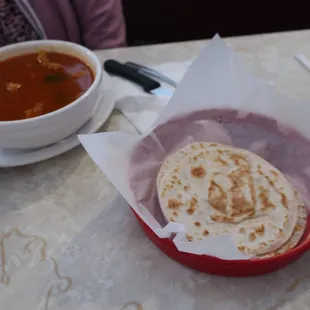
(214, 189)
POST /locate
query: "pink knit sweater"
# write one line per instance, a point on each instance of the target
(96, 24)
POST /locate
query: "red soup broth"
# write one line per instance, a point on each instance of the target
(39, 83)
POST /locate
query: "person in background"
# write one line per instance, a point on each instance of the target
(96, 24)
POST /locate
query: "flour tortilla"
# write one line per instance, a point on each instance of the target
(214, 189)
(296, 236)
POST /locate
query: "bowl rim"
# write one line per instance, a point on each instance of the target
(58, 43)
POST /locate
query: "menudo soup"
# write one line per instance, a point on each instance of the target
(35, 84)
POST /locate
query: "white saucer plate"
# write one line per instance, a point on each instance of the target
(106, 103)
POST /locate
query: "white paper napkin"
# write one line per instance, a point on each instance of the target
(142, 109)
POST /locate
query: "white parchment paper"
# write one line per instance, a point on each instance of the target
(217, 79)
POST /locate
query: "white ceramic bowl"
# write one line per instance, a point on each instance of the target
(52, 127)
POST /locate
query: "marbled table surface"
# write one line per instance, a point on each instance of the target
(69, 242)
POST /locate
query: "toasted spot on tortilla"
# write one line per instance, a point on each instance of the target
(260, 230)
(193, 202)
(242, 230)
(192, 205)
(198, 172)
(221, 218)
(241, 248)
(174, 204)
(221, 161)
(283, 200)
(190, 211)
(239, 160)
(197, 224)
(217, 197)
(240, 206)
(189, 237)
(264, 197)
(252, 236)
(205, 232)
(186, 188)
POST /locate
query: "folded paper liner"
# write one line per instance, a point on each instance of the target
(217, 79)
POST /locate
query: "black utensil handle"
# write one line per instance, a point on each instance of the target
(133, 65)
(121, 70)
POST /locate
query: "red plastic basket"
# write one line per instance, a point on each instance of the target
(169, 134)
(229, 268)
